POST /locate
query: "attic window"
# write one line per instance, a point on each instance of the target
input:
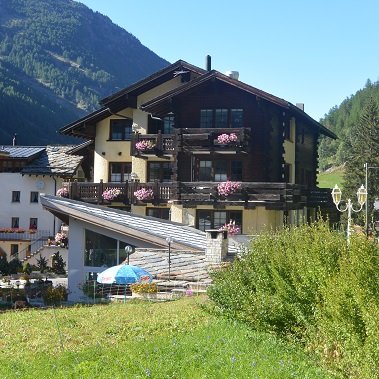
(120, 129)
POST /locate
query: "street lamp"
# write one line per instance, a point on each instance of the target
(169, 241)
(128, 251)
(362, 197)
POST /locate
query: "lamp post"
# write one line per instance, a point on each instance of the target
(128, 251)
(362, 197)
(169, 241)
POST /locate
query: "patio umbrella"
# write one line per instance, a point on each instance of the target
(124, 274)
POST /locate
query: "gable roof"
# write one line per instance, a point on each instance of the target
(145, 228)
(153, 80)
(21, 152)
(53, 161)
(161, 104)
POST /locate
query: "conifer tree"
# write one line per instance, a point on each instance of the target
(363, 147)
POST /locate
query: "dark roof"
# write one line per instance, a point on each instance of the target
(160, 105)
(130, 224)
(84, 127)
(22, 152)
(54, 161)
(151, 81)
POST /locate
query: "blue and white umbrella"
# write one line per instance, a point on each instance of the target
(124, 274)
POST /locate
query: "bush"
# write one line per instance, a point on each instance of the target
(306, 283)
(144, 288)
(54, 295)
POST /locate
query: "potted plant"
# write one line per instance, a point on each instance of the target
(111, 193)
(145, 145)
(231, 228)
(227, 188)
(144, 290)
(144, 194)
(226, 139)
(63, 192)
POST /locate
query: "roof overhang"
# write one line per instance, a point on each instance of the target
(65, 209)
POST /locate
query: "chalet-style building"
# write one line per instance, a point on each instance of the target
(201, 148)
(25, 173)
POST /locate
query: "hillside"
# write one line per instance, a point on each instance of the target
(341, 120)
(57, 59)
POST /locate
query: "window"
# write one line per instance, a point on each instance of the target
(205, 171)
(14, 249)
(119, 172)
(219, 170)
(163, 213)
(236, 118)
(206, 118)
(15, 222)
(208, 219)
(159, 171)
(34, 197)
(120, 130)
(168, 124)
(102, 250)
(15, 196)
(33, 224)
(221, 118)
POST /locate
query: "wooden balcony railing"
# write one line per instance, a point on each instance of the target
(190, 140)
(250, 194)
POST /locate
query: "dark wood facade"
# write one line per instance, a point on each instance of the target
(256, 158)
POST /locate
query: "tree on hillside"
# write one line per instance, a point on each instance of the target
(362, 146)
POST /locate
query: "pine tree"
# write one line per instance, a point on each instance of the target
(363, 147)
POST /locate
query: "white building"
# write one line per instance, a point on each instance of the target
(25, 172)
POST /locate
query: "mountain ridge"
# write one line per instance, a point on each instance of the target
(57, 60)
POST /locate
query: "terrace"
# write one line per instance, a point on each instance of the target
(249, 194)
(191, 140)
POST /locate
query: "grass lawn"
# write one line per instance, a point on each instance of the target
(143, 340)
(331, 178)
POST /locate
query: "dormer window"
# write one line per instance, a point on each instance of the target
(120, 129)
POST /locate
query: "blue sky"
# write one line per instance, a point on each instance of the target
(313, 52)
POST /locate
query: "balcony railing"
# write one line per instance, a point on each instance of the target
(190, 140)
(250, 194)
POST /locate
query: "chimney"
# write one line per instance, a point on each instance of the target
(14, 141)
(208, 63)
(300, 106)
(216, 247)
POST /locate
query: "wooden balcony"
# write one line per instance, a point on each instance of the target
(283, 196)
(193, 140)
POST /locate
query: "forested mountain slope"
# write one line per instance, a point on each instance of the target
(57, 59)
(341, 120)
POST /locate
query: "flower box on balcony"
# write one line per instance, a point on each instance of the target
(144, 194)
(145, 146)
(111, 194)
(228, 188)
(226, 139)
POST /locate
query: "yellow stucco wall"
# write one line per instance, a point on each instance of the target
(6, 246)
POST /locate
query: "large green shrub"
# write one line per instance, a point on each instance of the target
(307, 283)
